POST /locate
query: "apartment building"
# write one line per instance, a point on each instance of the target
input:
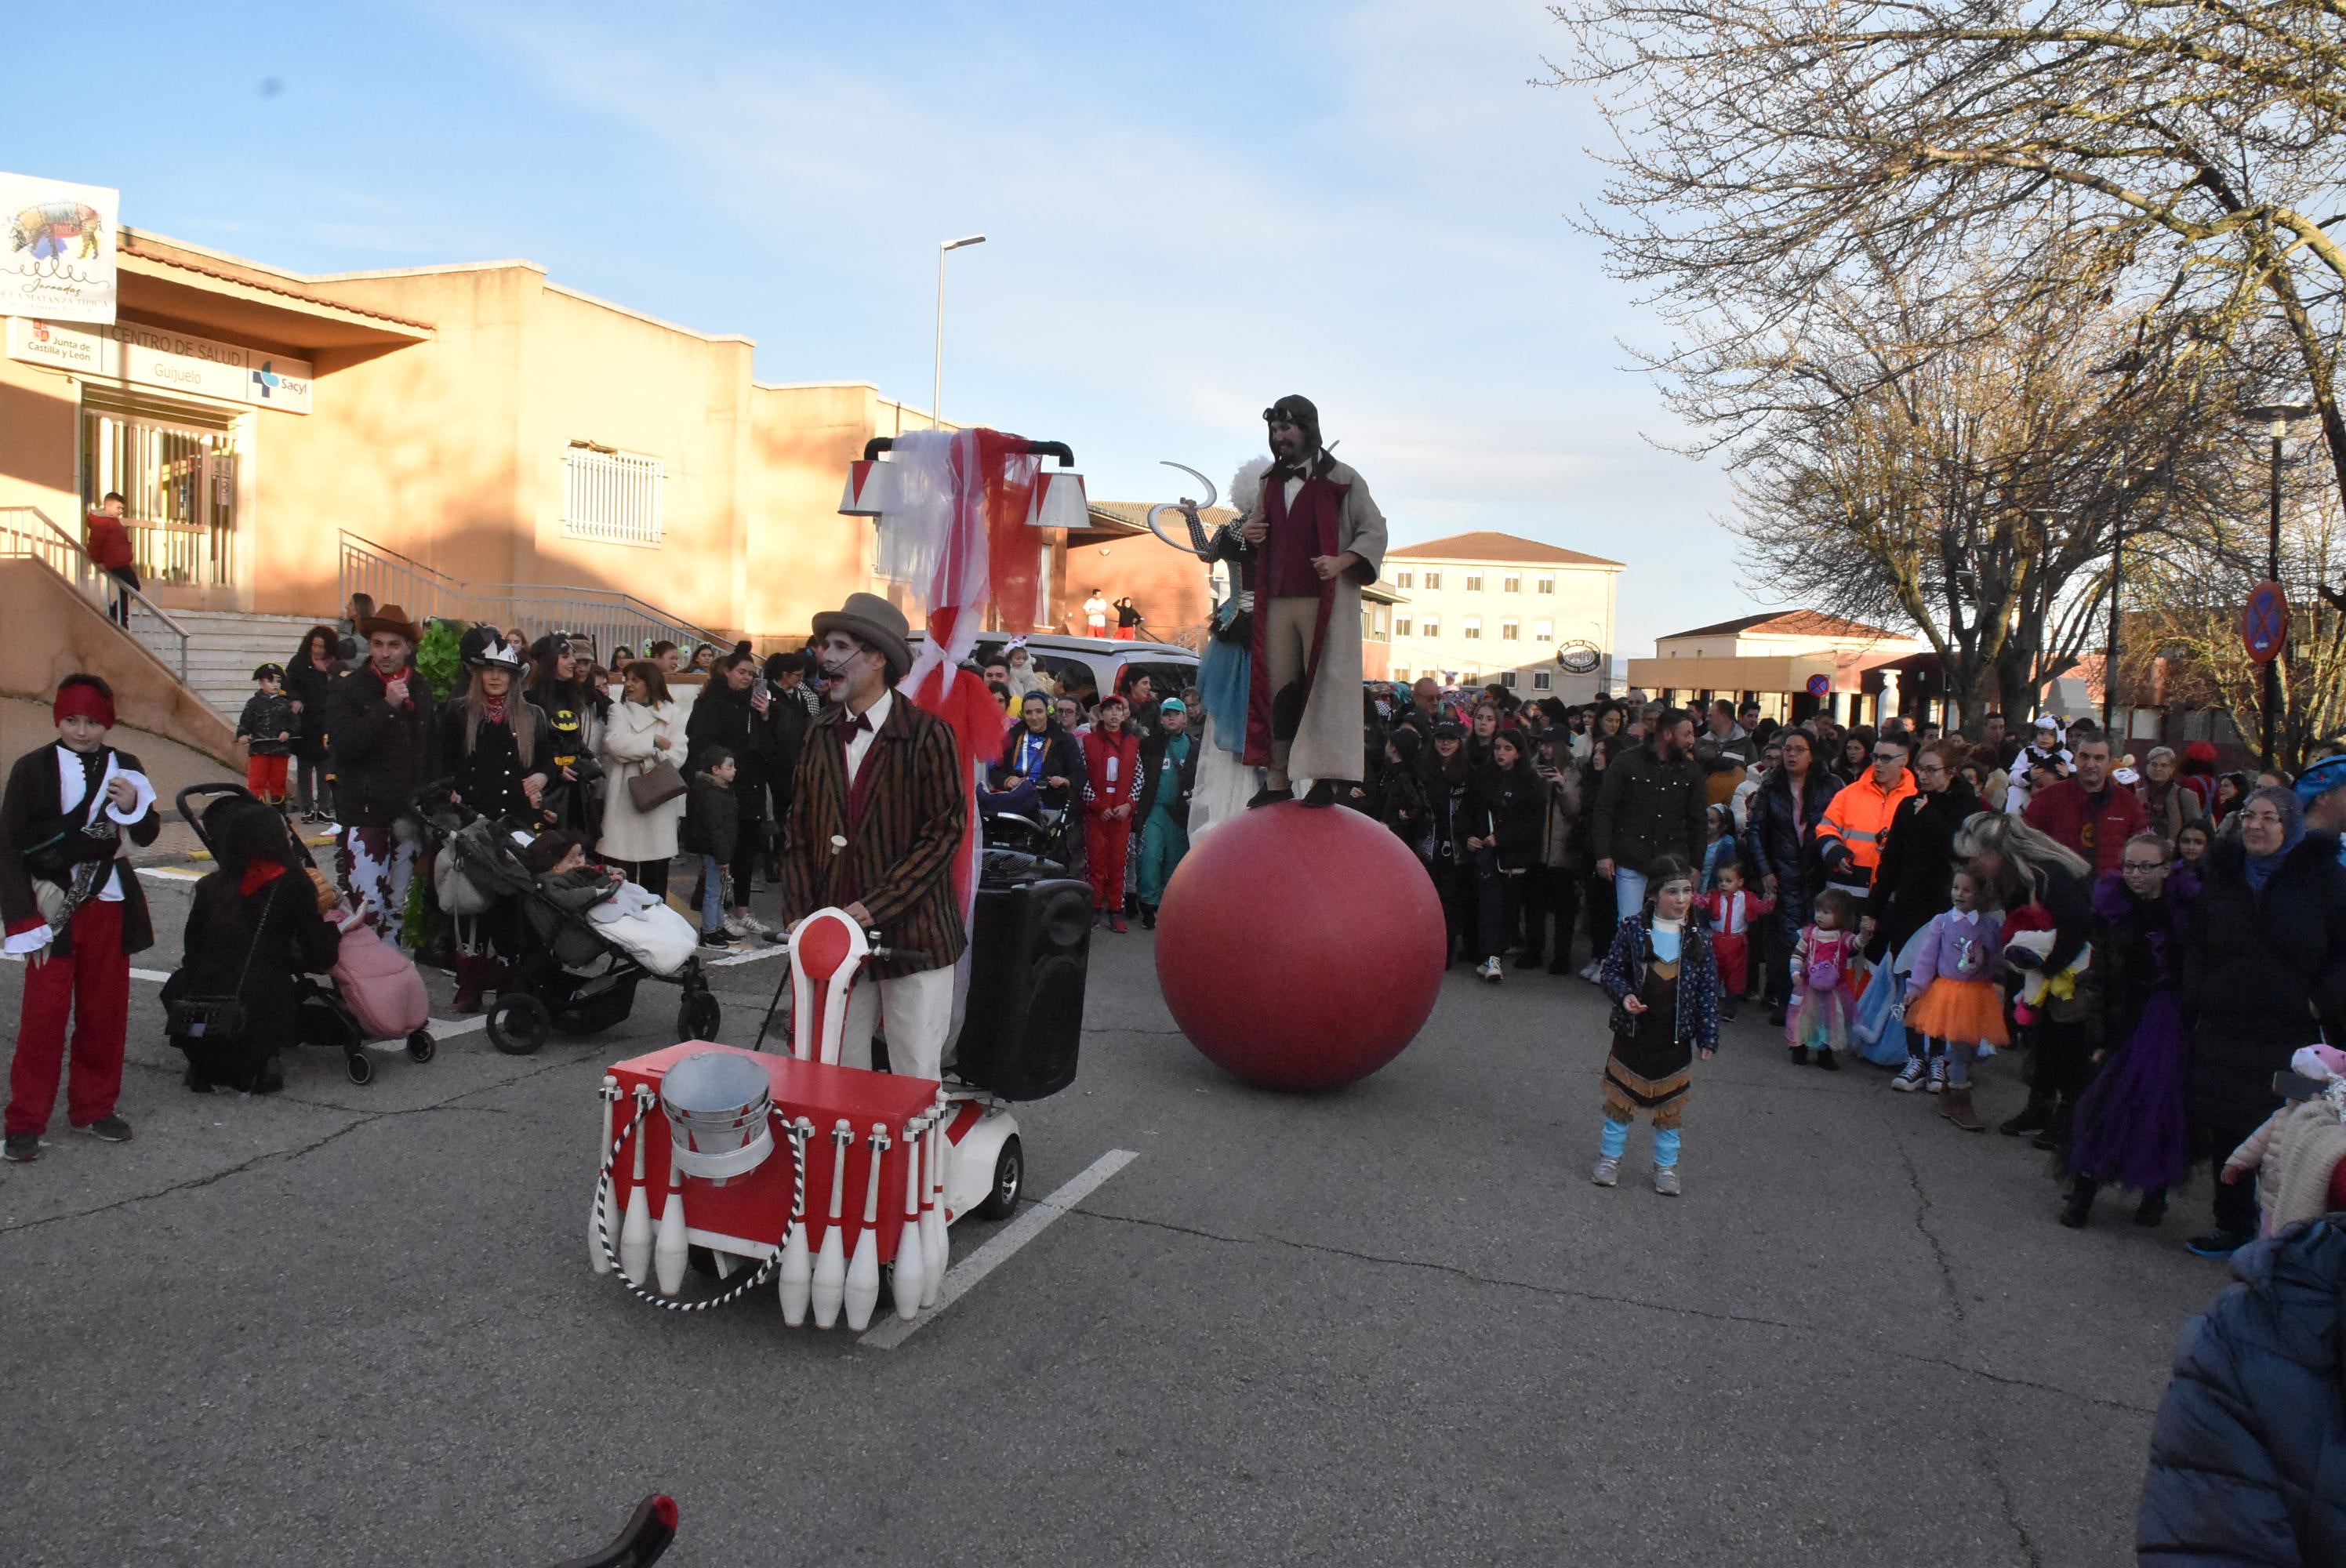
(1495, 607)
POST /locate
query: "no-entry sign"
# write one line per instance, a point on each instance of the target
(1820, 686)
(2264, 624)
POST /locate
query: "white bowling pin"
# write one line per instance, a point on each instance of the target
(603, 1213)
(796, 1270)
(864, 1272)
(831, 1258)
(636, 1229)
(911, 1247)
(933, 1218)
(669, 1245)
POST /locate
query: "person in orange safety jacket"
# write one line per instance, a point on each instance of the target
(1850, 833)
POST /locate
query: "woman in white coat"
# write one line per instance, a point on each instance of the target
(644, 731)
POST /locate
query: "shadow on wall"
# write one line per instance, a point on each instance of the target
(42, 432)
(53, 632)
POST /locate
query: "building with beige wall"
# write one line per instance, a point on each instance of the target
(1791, 662)
(479, 421)
(1494, 608)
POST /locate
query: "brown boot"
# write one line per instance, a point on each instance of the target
(1955, 1105)
(472, 974)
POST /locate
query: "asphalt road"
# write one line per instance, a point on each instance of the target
(1393, 1324)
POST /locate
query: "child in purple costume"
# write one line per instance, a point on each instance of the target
(2131, 1123)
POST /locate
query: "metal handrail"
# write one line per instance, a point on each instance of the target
(609, 616)
(65, 556)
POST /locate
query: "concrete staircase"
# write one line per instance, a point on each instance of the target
(223, 646)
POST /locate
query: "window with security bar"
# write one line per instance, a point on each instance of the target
(611, 495)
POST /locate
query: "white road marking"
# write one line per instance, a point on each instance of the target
(165, 875)
(442, 1028)
(755, 956)
(998, 1250)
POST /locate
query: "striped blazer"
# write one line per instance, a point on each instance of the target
(898, 862)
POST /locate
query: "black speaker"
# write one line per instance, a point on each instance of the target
(1030, 947)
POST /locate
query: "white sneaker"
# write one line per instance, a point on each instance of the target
(1607, 1172)
(752, 925)
(736, 927)
(1666, 1181)
(1491, 971)
(1593, 972)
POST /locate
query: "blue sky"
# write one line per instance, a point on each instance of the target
(1192, 209)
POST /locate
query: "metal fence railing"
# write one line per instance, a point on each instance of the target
(606, 617)
(388, 577)
(27, 532)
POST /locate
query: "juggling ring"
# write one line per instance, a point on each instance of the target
(1212, 495)
(602, 1229)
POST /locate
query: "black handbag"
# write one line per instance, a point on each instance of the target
(216, 1018)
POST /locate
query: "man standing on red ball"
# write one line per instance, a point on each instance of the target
(75, 913)
(1321, 541)
(1111, 786)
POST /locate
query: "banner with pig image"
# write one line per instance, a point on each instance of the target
(58, 258)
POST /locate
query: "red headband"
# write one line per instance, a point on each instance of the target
(85, 700)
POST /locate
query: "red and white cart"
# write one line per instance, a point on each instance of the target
(816, 1175)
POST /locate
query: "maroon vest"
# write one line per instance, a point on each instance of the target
(1297, 536)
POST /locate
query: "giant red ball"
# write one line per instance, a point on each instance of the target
(1300, 947)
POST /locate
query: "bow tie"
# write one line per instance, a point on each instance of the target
(861, 723)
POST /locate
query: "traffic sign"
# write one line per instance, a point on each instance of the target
(1820, 686)
(2264, 624)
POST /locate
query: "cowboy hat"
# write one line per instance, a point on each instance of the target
(391, 618)
(876, 623)
(497, 655)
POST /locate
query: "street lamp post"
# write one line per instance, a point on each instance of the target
(2118, 579)
(937, 366)
(2276, 415)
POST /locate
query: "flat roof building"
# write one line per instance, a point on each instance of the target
(477, 422)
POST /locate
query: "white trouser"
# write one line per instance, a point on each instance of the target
(919, 1012)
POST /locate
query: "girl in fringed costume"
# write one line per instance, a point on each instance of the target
(2131, 1123)
(1664, 981)
(1952, 1000)
(1823, 993)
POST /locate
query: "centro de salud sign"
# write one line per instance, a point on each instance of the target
(133, 353)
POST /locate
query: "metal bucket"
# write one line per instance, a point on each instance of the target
(720, 1109)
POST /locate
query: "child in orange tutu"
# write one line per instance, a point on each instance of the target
(1950, 999)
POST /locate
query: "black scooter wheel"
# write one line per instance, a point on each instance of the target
(1009, 1180)
(360, 1067)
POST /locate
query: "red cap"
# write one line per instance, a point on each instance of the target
(82, 699)
(2200, 751)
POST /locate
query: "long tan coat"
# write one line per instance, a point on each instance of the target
(1328, 744)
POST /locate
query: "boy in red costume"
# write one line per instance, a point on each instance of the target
(76, 912)
(1111, 785)
(1732, 910)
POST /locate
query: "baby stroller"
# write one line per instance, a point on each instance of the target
(373, 993)
(574, 973)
